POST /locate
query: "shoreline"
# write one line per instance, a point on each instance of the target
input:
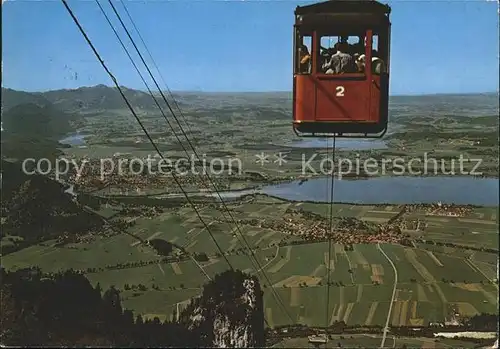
(211, 199)
(357, 203)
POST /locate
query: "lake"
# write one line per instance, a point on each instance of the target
(382, 190)
(393, 190)
(74, 140)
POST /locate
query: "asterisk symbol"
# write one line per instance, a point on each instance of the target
(70, 190)
(262, 158)
(280, 158)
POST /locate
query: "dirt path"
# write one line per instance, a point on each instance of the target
(359, 295)
(386, 328)
(371, 313)
(176, 268)
(281, 263)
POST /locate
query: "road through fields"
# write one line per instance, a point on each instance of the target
(386, 328)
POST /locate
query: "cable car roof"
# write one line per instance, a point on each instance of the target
(344, 6)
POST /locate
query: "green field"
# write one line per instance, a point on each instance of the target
(431, 278)
(373, 341)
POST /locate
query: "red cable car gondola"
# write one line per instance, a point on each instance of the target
(341, 96)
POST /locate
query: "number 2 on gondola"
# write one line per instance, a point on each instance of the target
(340, 91)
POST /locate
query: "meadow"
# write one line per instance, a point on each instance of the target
(432, 281)
(373, 341)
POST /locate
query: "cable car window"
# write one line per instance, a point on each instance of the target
(338, 54)
(303, 55)
(378, 58)
(378, 64)
(375, 42)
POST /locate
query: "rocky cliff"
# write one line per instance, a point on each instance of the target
(229, 313)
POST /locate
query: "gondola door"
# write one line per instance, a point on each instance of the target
(342, 98)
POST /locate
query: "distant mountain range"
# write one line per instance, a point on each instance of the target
(82, 99)
(101, 97)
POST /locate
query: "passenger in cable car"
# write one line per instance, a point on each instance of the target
(326, 56)
(341, 61)
(343, 40)
(378, 65)
(360, 65)
(305, 59)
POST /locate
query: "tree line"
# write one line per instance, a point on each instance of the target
(64, 309)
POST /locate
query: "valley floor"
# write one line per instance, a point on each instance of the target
(442, 276)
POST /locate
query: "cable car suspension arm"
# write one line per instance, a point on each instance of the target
(330, 234)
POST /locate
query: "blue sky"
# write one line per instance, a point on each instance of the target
(437, 46)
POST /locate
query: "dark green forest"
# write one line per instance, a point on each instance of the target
(64, 309)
